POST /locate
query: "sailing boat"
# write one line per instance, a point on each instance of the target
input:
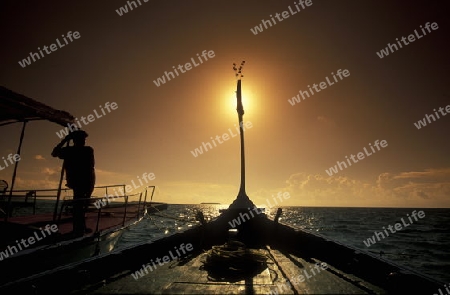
(258, 256)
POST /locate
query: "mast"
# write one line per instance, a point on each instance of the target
(240, 111)
(242, 199)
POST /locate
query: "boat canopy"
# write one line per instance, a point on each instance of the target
(15, 107)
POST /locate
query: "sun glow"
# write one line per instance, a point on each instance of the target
(230, 101)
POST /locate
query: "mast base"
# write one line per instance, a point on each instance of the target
(242, 202)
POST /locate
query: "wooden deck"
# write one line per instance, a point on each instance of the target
(22, 227)
(110, 217)
(190, 277)
(293, 256)
(62, 247)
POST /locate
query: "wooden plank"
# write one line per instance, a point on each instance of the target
(304, 277)
(190, 278)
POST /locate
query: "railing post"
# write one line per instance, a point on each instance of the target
(98, 219)
(58, 194)
(139, 206)
(145, 198)
(34, 204)
(8, 208)
(277, 216)
(125, 213)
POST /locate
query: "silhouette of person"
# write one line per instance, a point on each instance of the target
(79, 166)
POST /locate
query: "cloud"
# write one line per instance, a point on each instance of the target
(49, 171)
(39, 157)
(428, 188)
(418, 189)
(432, 185)
(23, 184)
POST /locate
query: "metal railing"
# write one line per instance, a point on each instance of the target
(20, 198)
(103, 202)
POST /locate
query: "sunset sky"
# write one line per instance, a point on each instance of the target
(288, 147)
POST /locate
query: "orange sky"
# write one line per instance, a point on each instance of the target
(288, 148)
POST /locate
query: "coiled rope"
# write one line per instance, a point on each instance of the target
(233, 259)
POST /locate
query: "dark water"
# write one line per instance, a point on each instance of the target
(423, 245)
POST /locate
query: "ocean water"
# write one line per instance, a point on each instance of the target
(423, 245)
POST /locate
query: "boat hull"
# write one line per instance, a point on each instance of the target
(349, 269)
(52, 256)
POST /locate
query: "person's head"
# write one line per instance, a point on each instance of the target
(79, 137)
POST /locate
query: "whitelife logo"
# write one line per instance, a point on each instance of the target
(12, 159)
(187, 67)
(245, 217)
(285, 14)
(360, 155)
(72, 127)
(423, 123)
(124, 9)
(398, 226)
(440, 291)
(340, 73)
(207, 146)
(53, 48)
(166, 259)
(37, 236)
(107, 199)
(411, 38)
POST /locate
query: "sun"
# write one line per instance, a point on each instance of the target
(230, 101)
